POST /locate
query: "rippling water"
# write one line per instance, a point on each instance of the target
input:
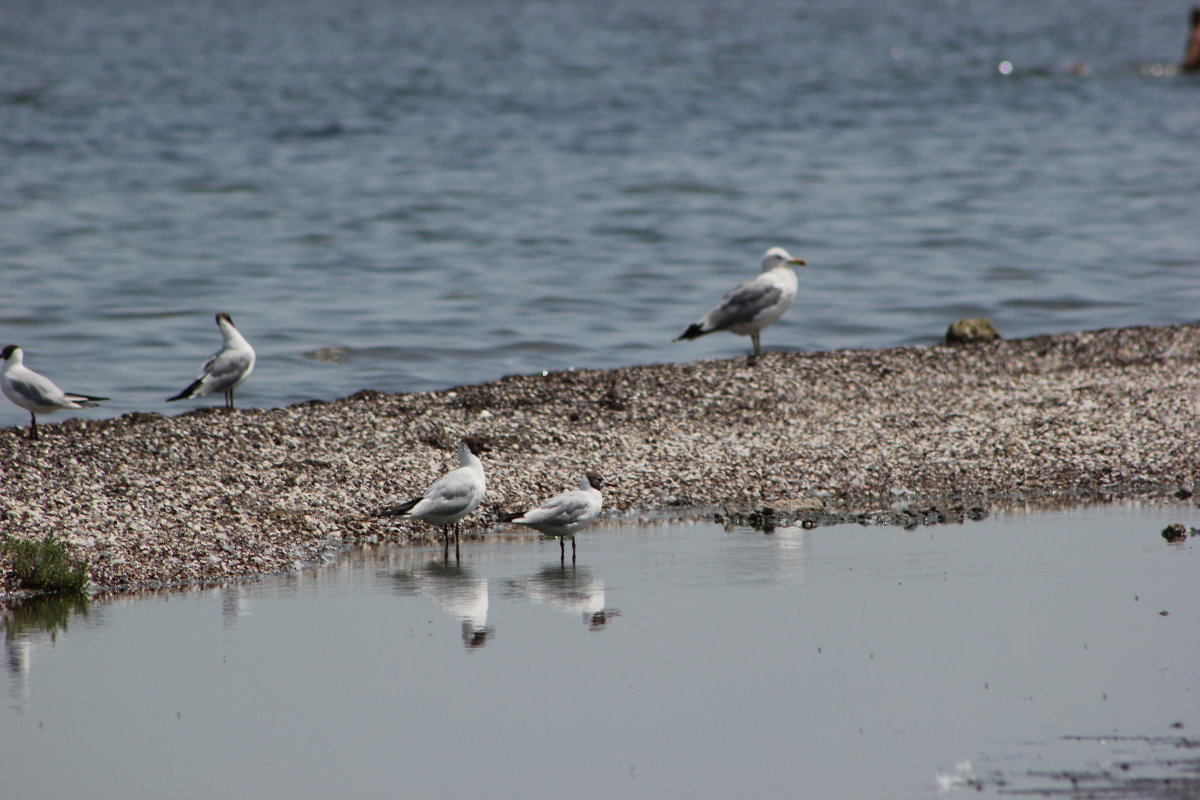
(407, 196)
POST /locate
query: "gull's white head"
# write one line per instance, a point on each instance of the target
(12, 354)
(778, 257)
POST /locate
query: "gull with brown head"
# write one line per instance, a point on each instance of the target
(566, 514)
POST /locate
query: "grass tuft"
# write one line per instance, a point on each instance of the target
(45, 566)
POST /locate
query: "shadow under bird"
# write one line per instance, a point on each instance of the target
(753, 304)
(566, 514)
(448, 499)
(225, 370)
(36, 393)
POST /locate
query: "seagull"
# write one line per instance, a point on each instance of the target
(36, 393)
(754, 304)
(226, 369)
(565, 514)
(450, 498)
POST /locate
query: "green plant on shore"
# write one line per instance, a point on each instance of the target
(45, 566)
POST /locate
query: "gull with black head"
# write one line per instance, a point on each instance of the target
(225, 370)
(34, 392)
(566, 514)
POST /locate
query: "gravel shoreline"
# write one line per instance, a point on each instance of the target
(908, 435)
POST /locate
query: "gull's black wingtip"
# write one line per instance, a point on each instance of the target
(694, 331)
(397, 510)
(186, 393)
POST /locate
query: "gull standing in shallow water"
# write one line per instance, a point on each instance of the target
(568, 513)
(449, 499)
(36, 393)
(754, 304)
(226, 369)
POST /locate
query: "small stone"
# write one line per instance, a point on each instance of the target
(972, 330)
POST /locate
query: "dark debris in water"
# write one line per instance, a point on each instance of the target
(1154, 776)
(1177, 532)
(810, 513)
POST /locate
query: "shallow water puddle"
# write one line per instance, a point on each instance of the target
(677, 660)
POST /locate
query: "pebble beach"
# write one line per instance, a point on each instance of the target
(899, 435)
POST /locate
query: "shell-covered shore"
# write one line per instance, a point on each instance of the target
(210, 495)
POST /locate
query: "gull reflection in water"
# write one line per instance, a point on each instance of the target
(235, 604)
(459, 592)
(568, 588)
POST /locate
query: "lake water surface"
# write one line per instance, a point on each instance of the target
(673, 660)
(416, 195)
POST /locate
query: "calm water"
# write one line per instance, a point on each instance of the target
(669, 661)
(415, 195)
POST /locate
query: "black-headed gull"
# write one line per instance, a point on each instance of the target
(754, 304)
(450, 498)
(225, 369)
(36, 393)
(566, 514)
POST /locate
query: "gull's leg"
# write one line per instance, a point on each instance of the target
(33, 434)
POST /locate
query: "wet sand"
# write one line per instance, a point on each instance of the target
(912, 434)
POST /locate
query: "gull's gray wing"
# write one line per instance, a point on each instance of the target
(224, 370)
(743, 303)
(450, 494)
(38, 390)
(560, 510)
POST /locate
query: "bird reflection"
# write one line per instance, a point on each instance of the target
(17, 657)
(568, 588)
(235, 604)
(453, 587)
